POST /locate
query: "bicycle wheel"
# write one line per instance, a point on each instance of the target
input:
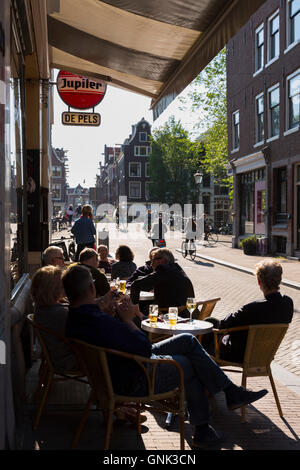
(184, 249)
(192, 251)
(212, 238)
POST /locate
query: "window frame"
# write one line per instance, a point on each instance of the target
(140, 169)
(296, 127)
(257, 31)
(257, 140)
(140, 189)
(269, 91)
(140, 136)
(235, 147)
(289, 44)
(137, 150)
(147, 170)
(53, 188)
(270, 59)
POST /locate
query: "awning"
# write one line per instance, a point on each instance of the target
(152, 47)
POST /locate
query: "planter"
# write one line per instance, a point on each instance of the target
(249, 249)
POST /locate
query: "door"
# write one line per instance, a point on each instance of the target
(259, 207)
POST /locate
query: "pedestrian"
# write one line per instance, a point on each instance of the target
(70, 213)
(84, 230)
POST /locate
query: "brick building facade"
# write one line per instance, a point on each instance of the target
(263, 88)
(59, 180)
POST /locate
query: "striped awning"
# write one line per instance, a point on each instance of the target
(152, 47)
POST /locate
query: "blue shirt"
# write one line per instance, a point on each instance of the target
(84, 230)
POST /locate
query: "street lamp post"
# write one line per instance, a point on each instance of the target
(198, 176)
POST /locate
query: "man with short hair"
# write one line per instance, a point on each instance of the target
(170, 283)
(54, 256)
(274, 308)
(98, 325)
(89, 257)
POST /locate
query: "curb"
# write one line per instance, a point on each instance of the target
(284, 282)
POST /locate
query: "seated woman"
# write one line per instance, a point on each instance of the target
(125, 266)
(105, 262)
(47, 293)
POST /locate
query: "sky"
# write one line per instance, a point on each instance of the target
(119, 110)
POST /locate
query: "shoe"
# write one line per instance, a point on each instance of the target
(208, 438)
(129, 414)
(236, 397)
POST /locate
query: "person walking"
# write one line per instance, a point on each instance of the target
(84, 230)
(70, 213)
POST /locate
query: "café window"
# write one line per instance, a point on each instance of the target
(134, 169)
(259, 48)
(293, 99)
(56, 191)
(274, 101)
(293, 21)
(260, 120)
(236, 130)
(281, 195)
(134, 189)
(273, 37)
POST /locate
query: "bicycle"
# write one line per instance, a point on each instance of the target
(211, 236)
(188, 248)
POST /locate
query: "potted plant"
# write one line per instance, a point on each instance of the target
(249, 245)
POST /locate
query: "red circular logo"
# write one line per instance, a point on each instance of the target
(79, 92)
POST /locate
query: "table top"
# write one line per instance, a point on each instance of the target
(146, 295)
(198, 327)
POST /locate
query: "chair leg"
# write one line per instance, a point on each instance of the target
(181, 416)
(82, 423)
(138, 409)
(244, 382)
(42, 373)
(108, 429)
(44, 400)
(275, 394)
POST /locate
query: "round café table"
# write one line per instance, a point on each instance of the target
(197, 327)
(146, 296)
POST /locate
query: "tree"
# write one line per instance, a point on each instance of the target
(208, 96)
(173, 162)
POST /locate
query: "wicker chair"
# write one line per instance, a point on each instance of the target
(263, 342)
(48, 372)
(94, 361)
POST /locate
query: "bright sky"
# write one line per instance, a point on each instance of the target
(119, 110)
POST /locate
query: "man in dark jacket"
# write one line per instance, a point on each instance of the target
(98, 325)
(144, 270)
(274, 308)
(170, 283)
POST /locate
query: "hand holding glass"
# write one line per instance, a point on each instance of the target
(191, 306)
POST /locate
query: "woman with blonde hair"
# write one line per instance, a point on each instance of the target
(48, 294)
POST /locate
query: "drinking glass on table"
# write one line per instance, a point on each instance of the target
(191, 306)
(122, 286)
(153, 314)
(172, 315)
(113, 286)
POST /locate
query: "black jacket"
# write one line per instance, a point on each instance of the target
(275, 308)
(140, 272)
(170, 284)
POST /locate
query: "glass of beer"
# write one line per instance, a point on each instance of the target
(122, 287)
(191, 306)
(153, 314)
(113, 286)
(172, 315)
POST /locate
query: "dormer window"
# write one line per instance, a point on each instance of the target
(143, 137)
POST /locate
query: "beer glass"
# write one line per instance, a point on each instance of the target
(153, 314)
(191, 306)
(173, 314)
(122, 287)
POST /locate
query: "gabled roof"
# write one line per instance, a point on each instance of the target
(152, 47)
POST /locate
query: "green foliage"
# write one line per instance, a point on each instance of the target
(249, 244)
(208, 98)
(174, 160)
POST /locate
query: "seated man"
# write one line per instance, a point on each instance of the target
(99, 326)
(274, 308)
(89, 257)
(53, 255)
(142, 270)
(170, 283)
